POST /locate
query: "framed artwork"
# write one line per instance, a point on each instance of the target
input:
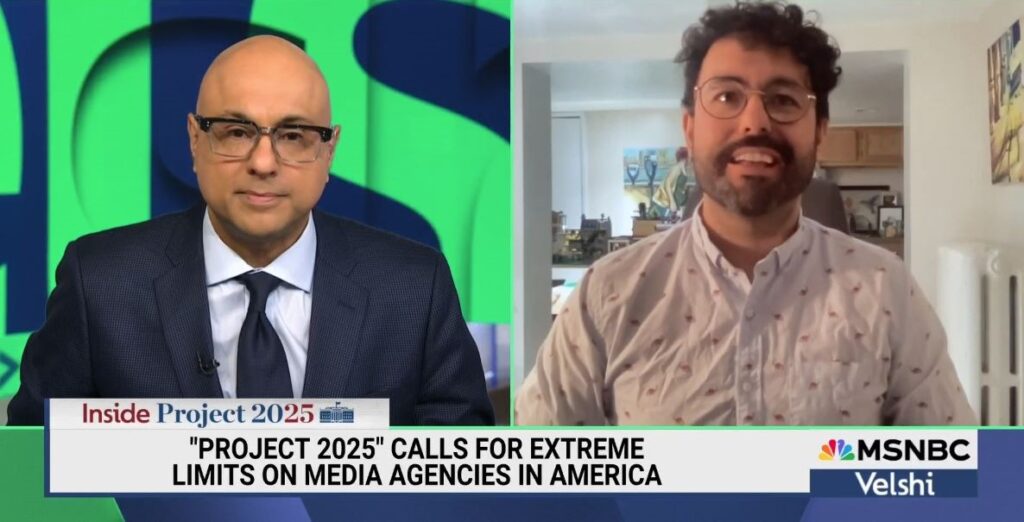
(890, 221)
(646, 166)
(618, 243)
(645, 169)
(861, 203)
(1006, 105)
(890, 199)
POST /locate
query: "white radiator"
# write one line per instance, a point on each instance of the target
(980, 304)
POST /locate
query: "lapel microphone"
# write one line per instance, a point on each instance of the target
(206, 367)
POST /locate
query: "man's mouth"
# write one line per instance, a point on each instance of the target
(255, 197)
(755, 157)
(760, 156)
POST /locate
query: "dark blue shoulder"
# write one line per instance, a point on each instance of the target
(149, 237)
(341, 237)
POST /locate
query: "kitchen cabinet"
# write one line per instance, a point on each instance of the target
(862, 147)
(882, 146)
(839, 148)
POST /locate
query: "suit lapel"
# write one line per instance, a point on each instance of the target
(185, 310)
(336, 319)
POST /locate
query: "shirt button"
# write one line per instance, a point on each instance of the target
(749, 314)
(745, 386)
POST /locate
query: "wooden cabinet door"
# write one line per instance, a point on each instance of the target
(881, 146)
(839, 148)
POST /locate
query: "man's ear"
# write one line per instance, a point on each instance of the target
(688, 130)
(193, 134)
(331, 147)
(334, 139)
(821, 132)
(333, 144)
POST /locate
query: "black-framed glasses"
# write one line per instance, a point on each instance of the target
(725, 98)
(237, 138)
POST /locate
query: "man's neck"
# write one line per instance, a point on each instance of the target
(746, 240)
(259, 254)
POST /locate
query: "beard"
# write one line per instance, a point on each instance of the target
(755, 196)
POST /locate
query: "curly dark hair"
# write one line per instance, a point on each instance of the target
(772, 25)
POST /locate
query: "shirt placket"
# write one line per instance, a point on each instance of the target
(749, 353)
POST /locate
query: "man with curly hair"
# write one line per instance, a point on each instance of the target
(748, 313)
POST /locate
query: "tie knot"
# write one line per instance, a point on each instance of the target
(260, 284)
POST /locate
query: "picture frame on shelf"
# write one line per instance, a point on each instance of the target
(617, 243)
(861, 203)
(891, 199)
(890, 221)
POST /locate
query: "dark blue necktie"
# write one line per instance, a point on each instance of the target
(262, 366)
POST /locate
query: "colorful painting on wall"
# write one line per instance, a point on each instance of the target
(1006, 105)
(644, 170)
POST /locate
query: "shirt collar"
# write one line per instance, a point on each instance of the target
(294, 266)
(774, 261)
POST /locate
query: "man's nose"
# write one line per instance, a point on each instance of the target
(263, 161)
(754, 119)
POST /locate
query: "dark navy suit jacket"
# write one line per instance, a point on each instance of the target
(130, 318)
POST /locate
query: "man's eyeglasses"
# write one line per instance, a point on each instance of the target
(236, 138)
(725, 98)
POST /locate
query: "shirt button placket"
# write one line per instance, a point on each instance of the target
(748, 366)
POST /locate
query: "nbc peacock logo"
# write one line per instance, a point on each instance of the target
(837, 450)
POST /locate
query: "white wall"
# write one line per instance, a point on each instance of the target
(946, 168)
(567, 167)
(531, 227)
(607, 135)
(946, 163)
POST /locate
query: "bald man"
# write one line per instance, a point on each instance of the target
(256, 294)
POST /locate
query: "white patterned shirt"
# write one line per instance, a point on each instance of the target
(830, 331)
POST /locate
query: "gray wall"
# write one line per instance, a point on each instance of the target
(532, 216)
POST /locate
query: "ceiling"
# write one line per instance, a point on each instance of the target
(580, 18)
(870, 89)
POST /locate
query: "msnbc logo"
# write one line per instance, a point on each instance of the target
(836, 450)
